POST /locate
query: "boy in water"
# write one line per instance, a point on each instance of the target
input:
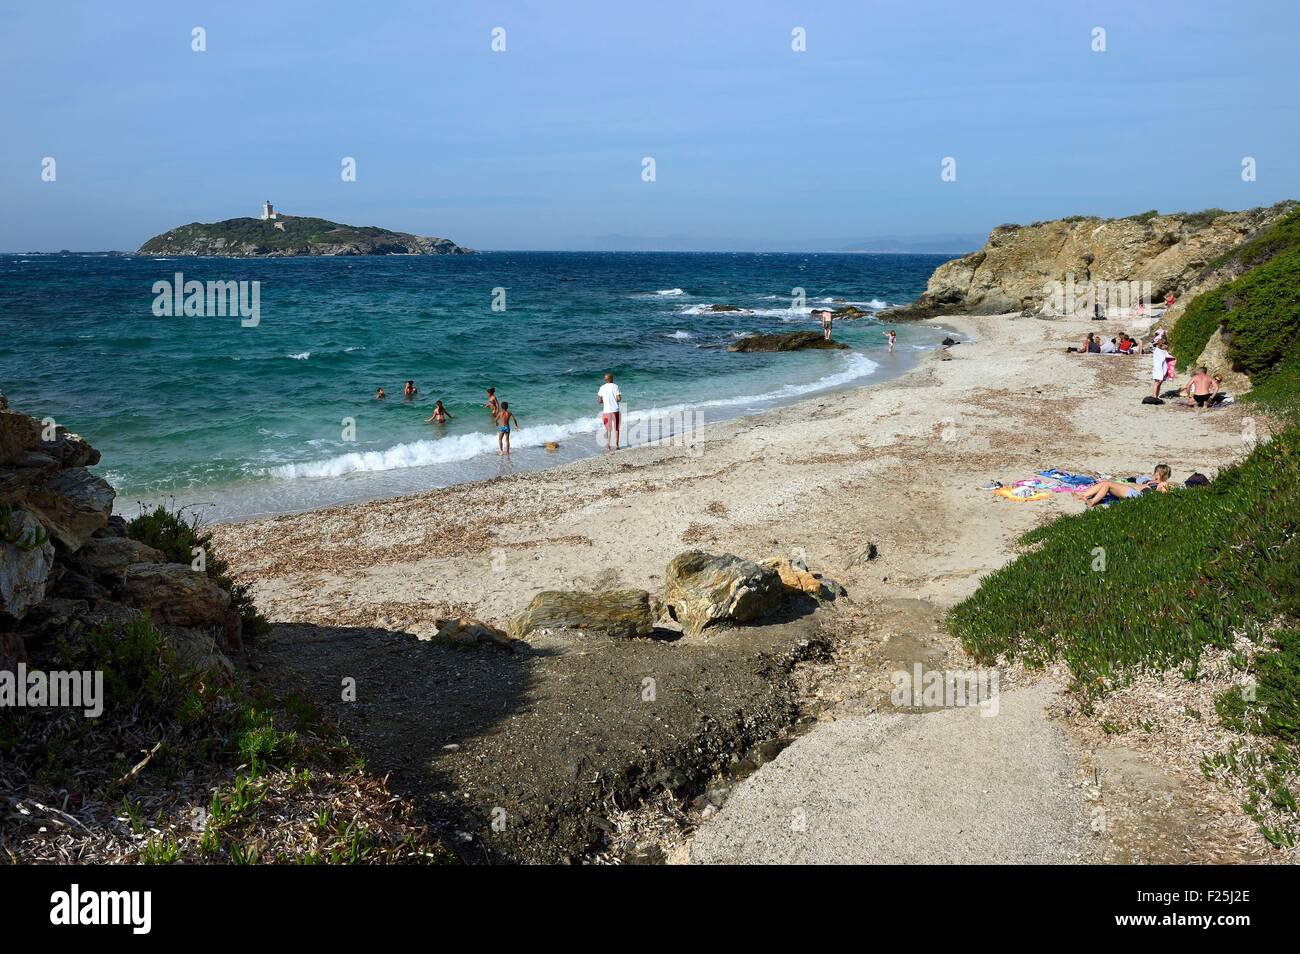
(491, 404)
(503, 418)
(379, 394)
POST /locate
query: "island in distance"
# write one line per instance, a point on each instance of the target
(277, 235)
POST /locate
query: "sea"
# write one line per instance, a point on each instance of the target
(236, 419)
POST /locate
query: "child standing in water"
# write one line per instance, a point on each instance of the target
(892, 335)
(503, 419)
(440, 414)
(491, 404)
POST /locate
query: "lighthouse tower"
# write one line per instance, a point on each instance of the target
(268, 210)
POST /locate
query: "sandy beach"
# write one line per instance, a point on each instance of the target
(897, 467)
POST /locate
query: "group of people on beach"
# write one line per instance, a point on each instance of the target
(608, 396)
(1120, 344)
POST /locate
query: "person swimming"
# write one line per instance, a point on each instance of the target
(440, 414)
(409, 390)
(379, 394)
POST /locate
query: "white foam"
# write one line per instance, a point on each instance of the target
(670, 292)
(300, 356)
(462, 447)
(681, 334)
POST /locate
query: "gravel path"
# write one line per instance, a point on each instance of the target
(948, 787)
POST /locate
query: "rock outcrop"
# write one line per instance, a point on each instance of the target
(622, 613)
(702, 589)
(789, 341)
(1014, 270)
(67, 566)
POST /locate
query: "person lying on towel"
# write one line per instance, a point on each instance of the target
(1103, 489)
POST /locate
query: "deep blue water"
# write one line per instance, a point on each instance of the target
(253, 417)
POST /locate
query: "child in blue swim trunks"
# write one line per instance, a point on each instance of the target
(503, 418)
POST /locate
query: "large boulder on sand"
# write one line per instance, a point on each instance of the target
(793, 578)
(625, 613)
(26, 558)
(72, 505)
(466, 631)
(176, 594)
(702, 589)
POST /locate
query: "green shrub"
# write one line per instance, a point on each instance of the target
(1262, 314)
(1196, 327)
(1260, 303)
(176, 537)
(1183, 570)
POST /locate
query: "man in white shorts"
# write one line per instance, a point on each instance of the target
(608, 397)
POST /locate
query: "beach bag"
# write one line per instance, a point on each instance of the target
(1152, 400)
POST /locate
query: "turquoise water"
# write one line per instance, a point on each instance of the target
(252, 419)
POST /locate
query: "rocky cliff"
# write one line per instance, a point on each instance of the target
(68, 567)
(292, 235)
(1014, 269)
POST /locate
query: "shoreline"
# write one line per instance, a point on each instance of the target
(972, 418)
(368, 486)
(876, 487)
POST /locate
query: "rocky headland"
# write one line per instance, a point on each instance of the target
(1013, 270)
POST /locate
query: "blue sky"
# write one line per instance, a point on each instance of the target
(541, 146)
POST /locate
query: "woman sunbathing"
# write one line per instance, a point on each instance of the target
(1099, 491)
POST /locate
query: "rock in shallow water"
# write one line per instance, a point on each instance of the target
(790, 341)
(702, 589)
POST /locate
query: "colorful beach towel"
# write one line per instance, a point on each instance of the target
(1071, 481)
(1022, 494)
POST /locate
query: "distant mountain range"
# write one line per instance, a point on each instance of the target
(943, 243)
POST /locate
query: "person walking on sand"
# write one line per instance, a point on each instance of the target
(609, 398)
(440, 414)
(503, 418)
(491, 404)
(828, 319)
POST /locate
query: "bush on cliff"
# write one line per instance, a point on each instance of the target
(1260, 309)
(176, 537)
